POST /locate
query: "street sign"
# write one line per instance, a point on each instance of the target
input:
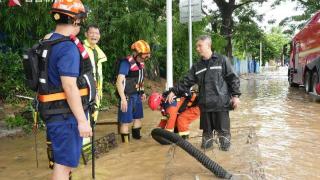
(196, 10)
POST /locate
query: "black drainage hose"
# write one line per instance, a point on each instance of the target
(160, 135)
(161, 140)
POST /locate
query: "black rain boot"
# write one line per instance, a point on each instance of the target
(175, 130)
(125, 137)
(225, 142)
(50, 154)
(185, 137)
(136, 133)
(207, 140)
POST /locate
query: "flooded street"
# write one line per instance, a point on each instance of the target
(275, 135)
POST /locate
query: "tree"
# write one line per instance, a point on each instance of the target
(226, 9)
(247, 34)
(120, 22)
(20, 27)
(277, 39)
(297, 22)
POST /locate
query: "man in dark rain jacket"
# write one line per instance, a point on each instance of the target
(218, 92)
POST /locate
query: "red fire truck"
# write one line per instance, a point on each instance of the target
(304, 66)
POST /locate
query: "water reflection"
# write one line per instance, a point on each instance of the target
(288, 122)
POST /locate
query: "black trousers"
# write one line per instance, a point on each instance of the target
(218, 121)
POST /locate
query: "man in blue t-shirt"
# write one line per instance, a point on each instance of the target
(130, 89)
(65, 131)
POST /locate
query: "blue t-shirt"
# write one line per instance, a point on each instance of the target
(64, 60)
(124, 67)
(166, 104)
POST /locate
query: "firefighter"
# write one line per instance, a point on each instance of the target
(177, 115)
(131, 91)
(66, 88)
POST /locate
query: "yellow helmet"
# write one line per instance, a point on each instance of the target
(141, 47)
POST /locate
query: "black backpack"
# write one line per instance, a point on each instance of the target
(116, 70)
(35, 59)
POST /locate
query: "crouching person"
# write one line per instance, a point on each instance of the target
(178, 115)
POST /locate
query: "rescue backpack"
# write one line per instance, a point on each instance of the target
(116, 70)
(35, 57)
(52, 100)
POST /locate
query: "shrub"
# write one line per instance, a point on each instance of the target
(18, 121)
(12, 77)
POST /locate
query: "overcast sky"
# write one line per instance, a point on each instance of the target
(285, 9)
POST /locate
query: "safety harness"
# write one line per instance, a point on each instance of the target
(52, 100)
(191, 100)
(134, 79)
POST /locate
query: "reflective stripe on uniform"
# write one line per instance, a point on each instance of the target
(200, 71)
(216, 67)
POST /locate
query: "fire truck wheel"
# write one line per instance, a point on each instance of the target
(307, 82)
(290, 79)
(315, 81)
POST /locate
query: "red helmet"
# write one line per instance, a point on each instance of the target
(318, 88)
(154, 101)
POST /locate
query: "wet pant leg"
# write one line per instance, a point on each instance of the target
(162, 124)
(218, 121)
(222, 123)
(186, 118)
(206, 124)
(222, 126)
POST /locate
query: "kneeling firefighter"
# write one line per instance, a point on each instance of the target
(130, 78)
(178, 115)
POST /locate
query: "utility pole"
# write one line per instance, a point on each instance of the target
(190, 35)
(260, 63)
(169, 44)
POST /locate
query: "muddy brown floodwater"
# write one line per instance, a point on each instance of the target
(275, 135)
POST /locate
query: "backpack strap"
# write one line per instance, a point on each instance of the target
(184, 105)
(49, 42)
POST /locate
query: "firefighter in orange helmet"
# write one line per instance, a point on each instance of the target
(131, 91)
(67, 65)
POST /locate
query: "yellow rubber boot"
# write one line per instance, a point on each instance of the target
(125, 137)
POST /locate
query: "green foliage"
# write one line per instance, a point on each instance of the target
(247, 37)
(24, 118)
(180, 43)
(277, 40)
(219, 42)
(120, 22)
(296, 22)
(12, 78)
(23, 26)
(19, 121)
(110, 95)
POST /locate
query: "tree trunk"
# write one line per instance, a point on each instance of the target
(226, 10)
(226, 31)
